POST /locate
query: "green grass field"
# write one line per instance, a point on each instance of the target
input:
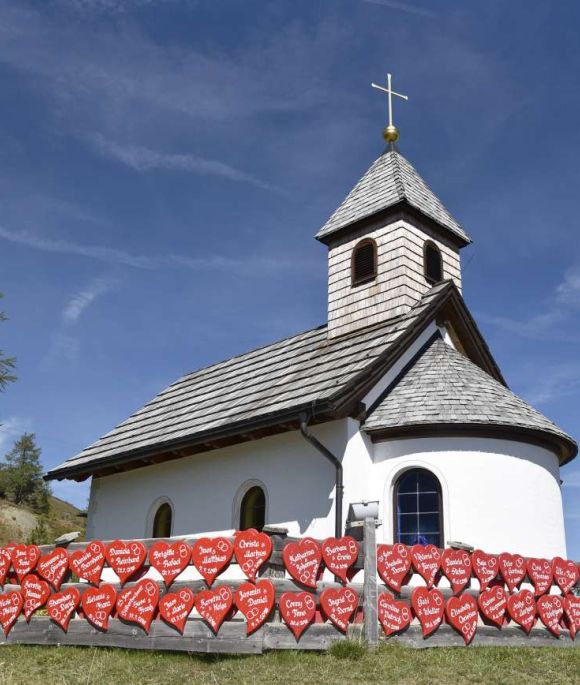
(345, 664)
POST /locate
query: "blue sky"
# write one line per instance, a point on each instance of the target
(165, 165)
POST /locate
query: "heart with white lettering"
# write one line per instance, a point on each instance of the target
(5, 562)
(565, 574)
(61, 606)
(252, 550)
(298, 610)
(522, 609)
(493, 604)
(137, 604)
(175, 607)
(394, 615)
(215, 605)
(550, 611)
(125, 558)
(393, 564)
(88, 563)
(255, 602)
(53, 567)
(572, 614)
(169, 559)
(97, 604)
(211, 556)
(428, 607)
(302, 560)
(462, 615)
(540, 573)
(10, 607)
(35, 593)
(339, 605)
(24, 559)
(339, 555)
(427, 562)
(456, 566)
(513, 569)
(485, 567)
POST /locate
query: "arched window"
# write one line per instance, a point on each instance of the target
(433, 264)
(162, 521)
(418, 509)
(253, 509)
(364, 262)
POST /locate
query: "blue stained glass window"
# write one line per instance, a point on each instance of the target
(418, 511)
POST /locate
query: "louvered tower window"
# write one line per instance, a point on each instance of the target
(433, 263)
(364, 262)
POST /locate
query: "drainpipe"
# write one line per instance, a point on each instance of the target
(327, 454)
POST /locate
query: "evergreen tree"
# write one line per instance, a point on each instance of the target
(6, 363)
(40, 534)
(22, 475)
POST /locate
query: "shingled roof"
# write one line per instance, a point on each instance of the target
(443, 388)
(390, 180)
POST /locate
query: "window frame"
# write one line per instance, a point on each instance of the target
(371, 277)
(153, 510)
(239, 498)
(439, 489)
(429, 244)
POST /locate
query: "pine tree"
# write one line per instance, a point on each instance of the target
(6, 363)
(22, 475)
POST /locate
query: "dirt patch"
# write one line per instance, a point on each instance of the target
(19, 522)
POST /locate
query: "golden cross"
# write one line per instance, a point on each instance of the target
(390, 92)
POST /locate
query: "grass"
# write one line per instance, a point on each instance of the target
(341, 666)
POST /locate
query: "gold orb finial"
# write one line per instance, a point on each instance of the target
(391, 134)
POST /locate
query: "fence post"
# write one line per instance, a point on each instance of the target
(370, 598)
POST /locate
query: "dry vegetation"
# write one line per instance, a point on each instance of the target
(17, 521)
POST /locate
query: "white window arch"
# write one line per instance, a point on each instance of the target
(160, 519)
(250, 507)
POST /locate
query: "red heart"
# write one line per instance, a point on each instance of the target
(137, 604)
(53, 567)
(10, 606)
(493, 604)
(462, 615)
(88, 563)
(427, 562)
(550, 611)
(5, 561)
(214, 605)
(540, 573)
(62, 605)
(339, 605)
(565, 574)
(394, 615)
(522, 608)
(255, 602)
(298, 610)
(35, 593)
(175, 607)
(302, 560)
(485, 567)
(572, 613)
(211, 556)
(169, 559)
(24, 559)
(339, 555)
(513, 569)
(428, 606)
(393, 564)
(98, 603)
(125, 558)
(456, 566)
(252, 549)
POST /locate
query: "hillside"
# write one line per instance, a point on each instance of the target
(17, 522)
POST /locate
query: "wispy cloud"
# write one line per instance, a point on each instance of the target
(85, 297)
(568, 291)
(554, 383)
(402, 7)
(12, 428)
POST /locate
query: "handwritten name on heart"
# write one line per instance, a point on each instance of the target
(550, 610)
(97, 604)
(35, 593)
(61, 606)
(214, 605)
(513, 569)
(462, 615)
(565, 574)
(137, 604)
(339, 555)
(394, 615)
(175, 607)
(540, 573)
(298, 610)
(125, 558)
(302, 560)
(169, 559)
(10, 607)
(339, 605)
(255, 602)
(393, 564)
(572, 614)
(485, 567)
(522, 609)
(252, 550)
(427, 562)
(211, 556)
(456, 565)
(493, 605)
(5, 562)
(88, 563)
(24, 559)
(53, 567)
(428, 606)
